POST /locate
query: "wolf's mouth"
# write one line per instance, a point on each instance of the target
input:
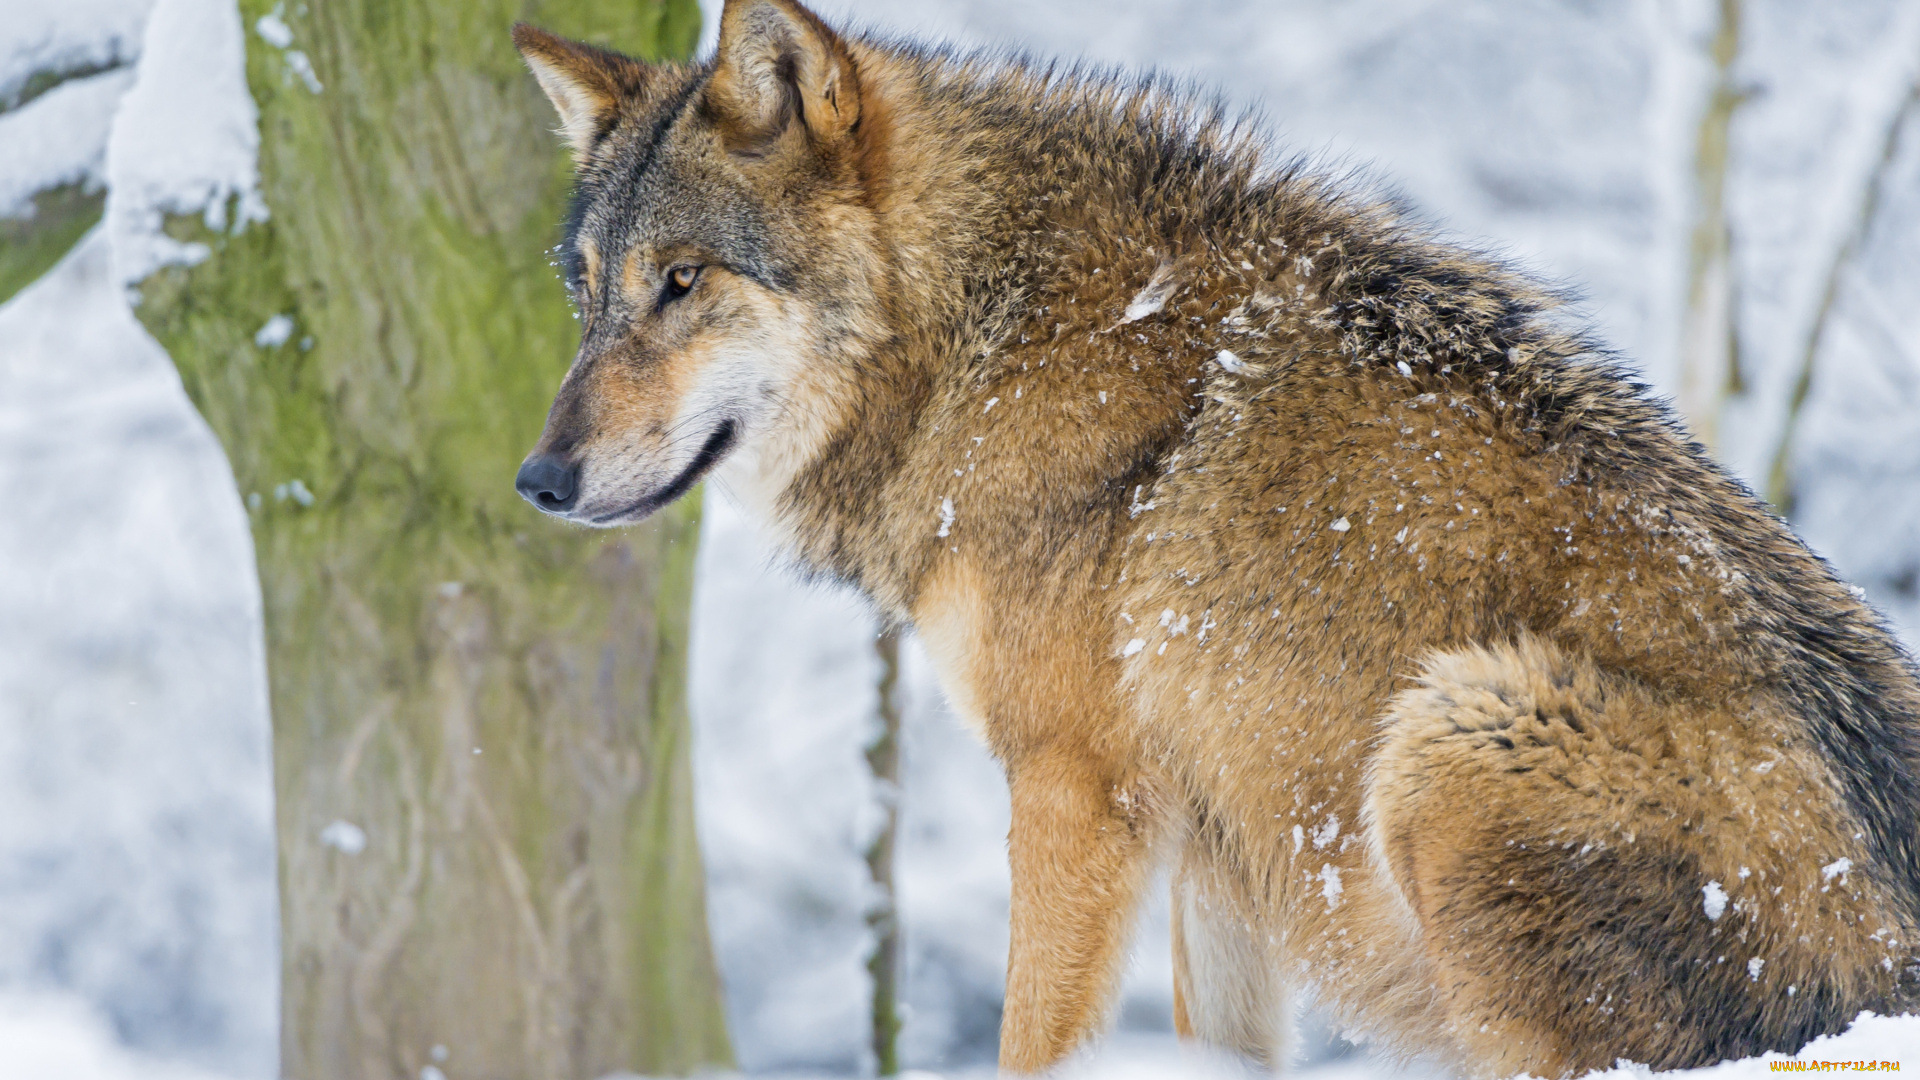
(715, 448)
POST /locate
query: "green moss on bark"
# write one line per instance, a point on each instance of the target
(497, 700)
(30, 246)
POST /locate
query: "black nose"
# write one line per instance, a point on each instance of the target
(547, 482)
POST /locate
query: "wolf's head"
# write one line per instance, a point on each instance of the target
(720, 253)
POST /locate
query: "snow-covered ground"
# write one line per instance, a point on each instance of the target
(136, 839)
(136, 864)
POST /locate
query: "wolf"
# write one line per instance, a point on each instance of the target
(1261, 534)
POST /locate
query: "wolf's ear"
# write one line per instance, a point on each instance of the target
(778, 63)
(584, 83)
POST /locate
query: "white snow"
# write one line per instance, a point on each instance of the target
(136, 818)
(137, 876)
(302, 68)
(1835, 868)
(1869, 1038)
(1329, 877)
(186, 139)
(62, 1037)
(273, 29)
(783, 706)
(1226, 359)
(66, 36)
(946, 517)
(1152, 296)
(344, 837)
(780, 702)
(58, 138)
(295, 490)
(1326, 832)
(1713, 901)
(1847, 118)
(274, 332)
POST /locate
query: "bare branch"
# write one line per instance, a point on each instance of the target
(1780, 489)
(883, 757)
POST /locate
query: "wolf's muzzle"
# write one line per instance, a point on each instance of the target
(548, 482)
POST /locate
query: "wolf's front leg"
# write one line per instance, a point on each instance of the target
(1080, 848)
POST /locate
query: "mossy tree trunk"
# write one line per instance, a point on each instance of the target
(487, 855)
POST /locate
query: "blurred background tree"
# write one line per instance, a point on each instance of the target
(488, 863)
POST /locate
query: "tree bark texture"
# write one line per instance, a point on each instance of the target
(883, 758)
(487, 854)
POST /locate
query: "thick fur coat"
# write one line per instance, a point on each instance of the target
(1257, 532)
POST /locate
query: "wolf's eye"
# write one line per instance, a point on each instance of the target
(680, 281)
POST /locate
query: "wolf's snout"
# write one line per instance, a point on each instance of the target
(548, 482)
